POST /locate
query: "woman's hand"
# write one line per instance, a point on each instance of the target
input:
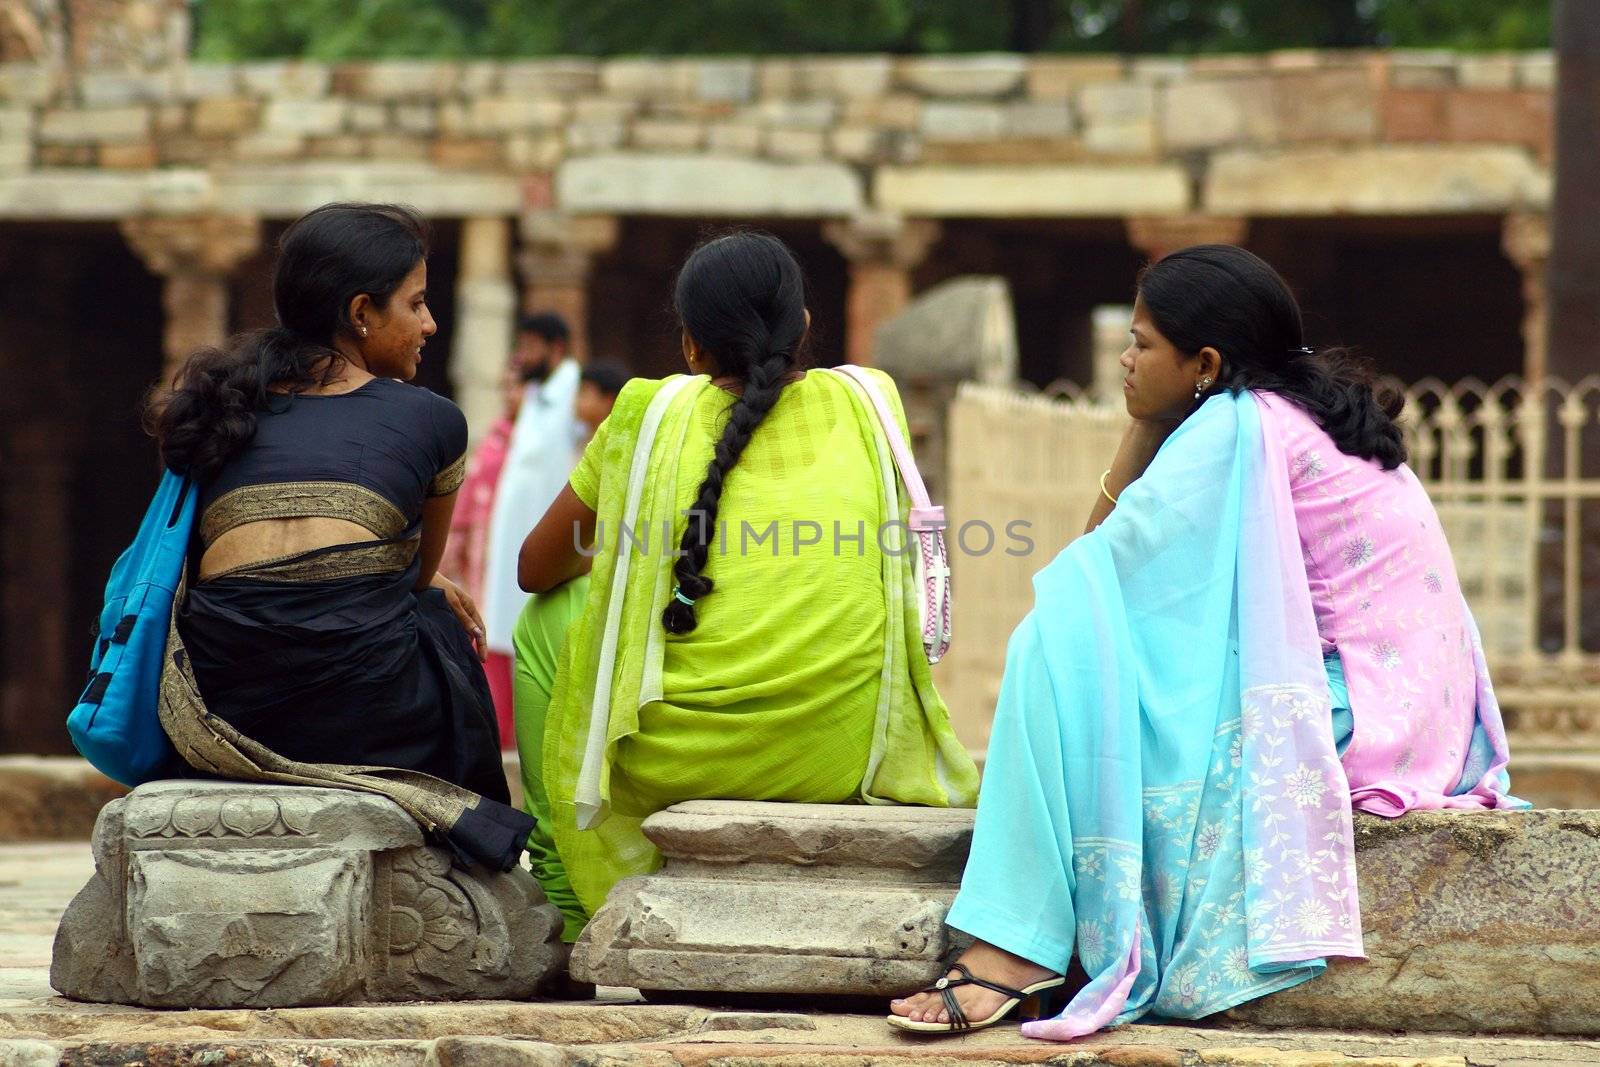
(1140, 442)
(466, 613)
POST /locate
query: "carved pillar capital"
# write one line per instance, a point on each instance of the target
(1157, 236)
(194, 255)
(882, 249)
(204, 244)
(557, 258)
(883, 239)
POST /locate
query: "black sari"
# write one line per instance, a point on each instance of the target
(326, 666)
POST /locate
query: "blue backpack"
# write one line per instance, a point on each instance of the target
(115, 725)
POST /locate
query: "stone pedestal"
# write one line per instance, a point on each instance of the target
(784, 898)
(1473, 921)
(227, 895)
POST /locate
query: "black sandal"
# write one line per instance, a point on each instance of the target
(959, 1022)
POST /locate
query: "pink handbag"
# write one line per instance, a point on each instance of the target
(926, 524)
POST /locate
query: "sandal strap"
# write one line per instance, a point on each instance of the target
(968, 978)
(958, 1017)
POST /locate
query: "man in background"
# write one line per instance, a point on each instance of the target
(539, 457)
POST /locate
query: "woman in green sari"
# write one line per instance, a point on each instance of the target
(749, 628)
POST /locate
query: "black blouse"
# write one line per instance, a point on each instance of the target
(369, 456)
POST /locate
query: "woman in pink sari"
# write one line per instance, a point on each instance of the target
(1261, 631)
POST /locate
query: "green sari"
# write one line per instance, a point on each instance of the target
(805, 679)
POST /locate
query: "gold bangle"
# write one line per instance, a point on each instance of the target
(1103, 488)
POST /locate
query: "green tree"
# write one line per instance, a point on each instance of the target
(334, 29)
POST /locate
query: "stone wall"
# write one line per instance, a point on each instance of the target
(997, 135)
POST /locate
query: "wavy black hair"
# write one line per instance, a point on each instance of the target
(1226, 298)
(742, 298)
(326, 259)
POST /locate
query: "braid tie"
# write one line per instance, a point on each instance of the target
(761, 389)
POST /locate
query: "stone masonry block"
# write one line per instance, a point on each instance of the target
(1472, 921)
(668, 136)
(311, 118)
(29, 83)
(1119, 118)
(291, 78)
(980, 75)
(1211, 113)
(694, 185)
(90, 126)
(398, 79)
(797, 145)
(226, 895)
(1415, 114)
(1339, 105)
(1536, 70)
(511, 114)
(725, 80)
(223, 116)
(962, 122)
(1495, 71)
(843, 77)
(197, 81)
(1060, 77)
(549, 77)
(113, 88)
(1039, 119)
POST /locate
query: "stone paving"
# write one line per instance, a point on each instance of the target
(39, 1029)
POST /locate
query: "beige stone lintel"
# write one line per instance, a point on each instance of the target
(1044, 191)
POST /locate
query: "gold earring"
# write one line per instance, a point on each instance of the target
(363, 331)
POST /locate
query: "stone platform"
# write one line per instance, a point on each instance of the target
(220, 894)
(1480, 921)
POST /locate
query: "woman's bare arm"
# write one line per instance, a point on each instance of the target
(550, 554)
(436, 512)
(1140, 443)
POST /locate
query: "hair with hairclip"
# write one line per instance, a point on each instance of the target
(1223, 297)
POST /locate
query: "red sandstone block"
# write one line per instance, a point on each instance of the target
(138, 156)
(1503, 116)
(466, 152)
(1414, 114)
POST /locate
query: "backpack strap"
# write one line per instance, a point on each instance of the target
(925, 515)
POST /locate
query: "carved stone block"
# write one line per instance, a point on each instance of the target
(222, 894)
(784, 898)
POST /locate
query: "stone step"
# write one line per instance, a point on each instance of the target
(616, 1034)
(1473, 921)
(224, 894)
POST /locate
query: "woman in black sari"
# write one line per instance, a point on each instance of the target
(317, 643)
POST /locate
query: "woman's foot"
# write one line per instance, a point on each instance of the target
(987, 962)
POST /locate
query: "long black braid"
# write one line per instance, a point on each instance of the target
(741, 297)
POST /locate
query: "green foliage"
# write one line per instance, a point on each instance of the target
(339, 29)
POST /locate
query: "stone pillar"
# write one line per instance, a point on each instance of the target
(557, 259)
(486, 310)
(36, 496)
(1526, 240)
(195, 257)
(1158, 235)
(882, 251)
